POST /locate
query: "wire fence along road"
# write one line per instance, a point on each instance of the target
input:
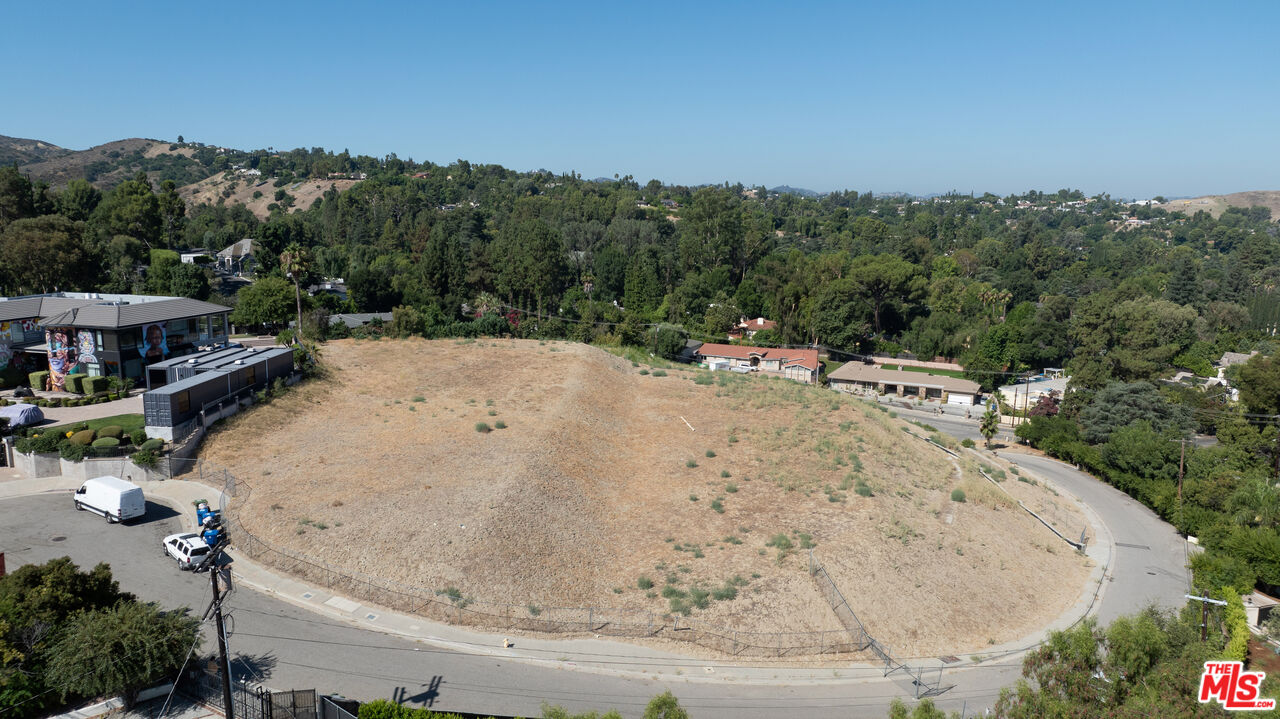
(460, 610)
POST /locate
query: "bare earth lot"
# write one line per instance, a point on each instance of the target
(587, 493)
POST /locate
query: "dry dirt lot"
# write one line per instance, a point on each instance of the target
(597, 486)
(239, 189)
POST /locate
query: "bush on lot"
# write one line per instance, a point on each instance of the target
(72, 382)
(957, 495)
(145, 458)
(138, 436)
(83, 438)
(94, 385)
(152, 445)
(38, 379)
(967, 443)
(71, 451)
(112, 430)
(106, 442)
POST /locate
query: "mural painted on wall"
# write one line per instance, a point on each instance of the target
(62, 356)
(86, 347)
(8, 330)
(155, 348)
(29, 325)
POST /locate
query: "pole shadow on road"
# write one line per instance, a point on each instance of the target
(426, 698)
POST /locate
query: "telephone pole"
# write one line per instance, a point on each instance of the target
(224, 661)
(1182, 456)
(1204, 613)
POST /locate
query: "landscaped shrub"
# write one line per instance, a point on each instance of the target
(151, 445)
(145, 458)
(106, 442)
(138, 436)
(46, 442)
(94, 385)
(83, 438)
(112, 430)
(38, 379)
(72, 382)
(71, 451)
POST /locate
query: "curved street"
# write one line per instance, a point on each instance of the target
(287, 635)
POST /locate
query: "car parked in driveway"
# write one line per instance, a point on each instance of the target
(188, 548)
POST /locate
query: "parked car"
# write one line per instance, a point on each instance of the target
(22, 414)
(189, 549)
(112, 497)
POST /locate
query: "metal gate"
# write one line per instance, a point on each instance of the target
(296, 704)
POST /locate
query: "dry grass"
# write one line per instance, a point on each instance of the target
(587, 490)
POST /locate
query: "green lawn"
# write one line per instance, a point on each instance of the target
(128, 422)
(940, 372)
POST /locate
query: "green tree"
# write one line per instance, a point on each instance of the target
(17, 199)
(1120, 404)
(44, 254)
(265, 302)
(1259, 382)
(665, 706)
(120, 649)
(173, 211)
(188, 280)
(295, 262)
(881, 281)
(78, 201)
(130, 209)
(990, 424)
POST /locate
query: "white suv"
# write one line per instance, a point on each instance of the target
(189, 549)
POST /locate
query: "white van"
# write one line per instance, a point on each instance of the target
(112, 497)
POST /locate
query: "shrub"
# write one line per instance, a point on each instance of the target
(717, 504)
(957, 495)
(704, 378)
(483, 427)
(105, 442)
(644, 371)
(644, 583)
(71, 383)
(152, 445)
(711, 453)
(138, 437)
(83, 438)
(499, 425)
(112, 430)
(779, 541)
(37, 380)
(659, 373)
(967, 443)
(691, 463)
(94, 385)
(71, 451)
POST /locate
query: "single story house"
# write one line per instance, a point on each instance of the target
(102, 334)
(855, 376)
(1022, 395)
(799, 365)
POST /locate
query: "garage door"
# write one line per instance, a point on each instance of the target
(963, 399)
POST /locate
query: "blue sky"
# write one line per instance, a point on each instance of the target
(1135, 99)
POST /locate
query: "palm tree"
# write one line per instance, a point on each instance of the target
(990, 424)
(1256, 503)
(294, 262)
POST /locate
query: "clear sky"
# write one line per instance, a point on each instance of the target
(1131, 98)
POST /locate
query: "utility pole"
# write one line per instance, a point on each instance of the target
(1181, 461)
(225, 663)
(1204, 613)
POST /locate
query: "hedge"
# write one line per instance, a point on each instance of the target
(72, 383)
(84, 438)
(152, 445)
(1237, 622)
(38, 379)
(106, 442)
(94, 385)
(138, 436)
(112, 430)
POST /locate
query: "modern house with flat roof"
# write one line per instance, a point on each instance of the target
(1024, 394)
(101, 334)
(855, 377)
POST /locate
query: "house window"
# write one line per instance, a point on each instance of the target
(184, 402)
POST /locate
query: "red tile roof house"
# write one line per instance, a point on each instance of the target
(799, 365)
(748, 328)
